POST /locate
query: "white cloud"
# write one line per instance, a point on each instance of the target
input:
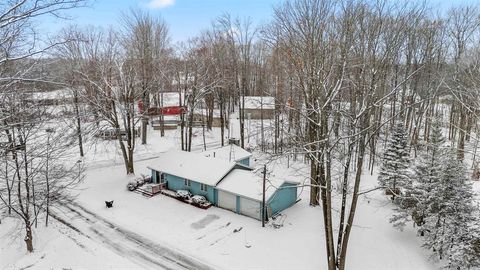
(156, 4)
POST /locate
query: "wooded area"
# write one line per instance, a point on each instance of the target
(346, 76)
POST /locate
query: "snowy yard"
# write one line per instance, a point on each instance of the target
(161, 232)
(272, 134)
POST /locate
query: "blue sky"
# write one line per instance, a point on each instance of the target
(186, 18)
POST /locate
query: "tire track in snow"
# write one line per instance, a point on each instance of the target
(128, 243)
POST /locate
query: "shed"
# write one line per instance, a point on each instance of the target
(50, 98)
(259, 107)
(196, 173)
(241, 191)
(200, 115)
(230, 152)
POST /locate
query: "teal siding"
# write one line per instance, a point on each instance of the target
(178, 183)
(154, 177)
(238, 204)
(175, 182)
(245, 161)
(195, 189)
(283, 198)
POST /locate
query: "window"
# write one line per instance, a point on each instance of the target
(203, 187)
(186, 182)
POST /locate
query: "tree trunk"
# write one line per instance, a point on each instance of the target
(222, 119)
(79, 126)
(353, 205)
(241, 111)
(461, 135)
(28, 236)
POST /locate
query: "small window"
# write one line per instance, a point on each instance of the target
(203, 187)
(186, 182)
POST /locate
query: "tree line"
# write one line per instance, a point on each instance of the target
(344, 75)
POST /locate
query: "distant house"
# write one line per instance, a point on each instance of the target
(258, 107)
(228, 185)
(171, 99)
(50, 98)
(230, 152)
(200, 117)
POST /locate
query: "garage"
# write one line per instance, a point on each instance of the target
(249, 207)
(241, 191)
(227, 200)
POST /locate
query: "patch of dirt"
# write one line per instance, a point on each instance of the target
(202, 223)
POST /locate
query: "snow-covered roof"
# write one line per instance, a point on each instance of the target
(55, 94)
(259, 102)
(248, 184)
(171, 99)
(202, 111)
(230, 152)
(192, 166)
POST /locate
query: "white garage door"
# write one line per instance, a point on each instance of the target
(227, 200)
(250, 208)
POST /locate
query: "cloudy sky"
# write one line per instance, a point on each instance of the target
(186, 18)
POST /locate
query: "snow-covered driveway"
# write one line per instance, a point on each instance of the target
(125, 242)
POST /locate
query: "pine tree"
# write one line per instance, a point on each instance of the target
(395, 163)
(425, 174)
(440, 201)
(449, 218)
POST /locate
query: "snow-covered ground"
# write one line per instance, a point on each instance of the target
(161, 232)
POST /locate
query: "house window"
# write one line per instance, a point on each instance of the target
(203, 187)
(186, 182)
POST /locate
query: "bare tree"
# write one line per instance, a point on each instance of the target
(145, 40)
(240, 35)
(18, 61)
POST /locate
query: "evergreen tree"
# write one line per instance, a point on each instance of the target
(440, 201)
(449, 218)
(425, 174)
(395, 163)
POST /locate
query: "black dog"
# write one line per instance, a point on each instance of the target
(109, 204)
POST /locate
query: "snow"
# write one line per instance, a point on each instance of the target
(171, 99)
(192, 166)
(252, 102)
(375, 244)
(55, 94)
(212, 238)
(201, 110)
(237, 153)
(247, 184)
(56, 247)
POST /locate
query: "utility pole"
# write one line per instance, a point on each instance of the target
(263, 196)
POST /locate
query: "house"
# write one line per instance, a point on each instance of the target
(200, 116)
(259, 107)
(50, 98)
(196, 173)
(169, 122)
(224, 183)
(230, 152)
(242, 192)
